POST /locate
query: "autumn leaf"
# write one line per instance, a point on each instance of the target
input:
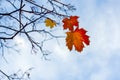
(69, 23)
(77, 39)
(50, 23)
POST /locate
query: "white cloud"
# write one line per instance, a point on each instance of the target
(103, 74)
(20, 41)
(61, 52)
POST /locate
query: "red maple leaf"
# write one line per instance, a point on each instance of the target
(69, 23)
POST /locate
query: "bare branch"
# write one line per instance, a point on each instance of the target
(23, 20)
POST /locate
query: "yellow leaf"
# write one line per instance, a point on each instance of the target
(50, 23)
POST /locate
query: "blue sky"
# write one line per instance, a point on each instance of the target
(99, 61)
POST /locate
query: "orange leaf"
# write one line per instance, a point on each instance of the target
(77, 39)
(70, 22)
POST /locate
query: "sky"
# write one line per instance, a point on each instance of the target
(99, 61)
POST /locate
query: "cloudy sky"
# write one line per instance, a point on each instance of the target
(99, 61)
